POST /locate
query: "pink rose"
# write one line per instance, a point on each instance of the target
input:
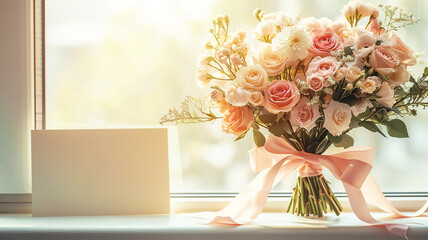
(383, 59)
(237, 120)
(374, 27)
(325, 41)
(315, 82)
(303, 115)
(364, 44)
(404, 53)
(337, 117)
(281, 96)
(386, 94)
(324, 67)
(400, 76)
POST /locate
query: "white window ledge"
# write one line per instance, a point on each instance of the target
(267, 226)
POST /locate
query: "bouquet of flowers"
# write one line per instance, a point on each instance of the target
(308, 82)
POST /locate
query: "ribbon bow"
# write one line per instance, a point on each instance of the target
(277, 159)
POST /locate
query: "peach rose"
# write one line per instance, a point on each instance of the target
(324, 67)
(400, 76)
(281, 96)
(252, 78)
(303, 115)
(315, 82)
(271, 62)
(256, 98)
(383, 59)
(353, 74)
(337, 117)
(405, 54)
(237, 120)
(386, 94)
(223, 105)
(325, 41)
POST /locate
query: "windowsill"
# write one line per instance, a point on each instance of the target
(267, 226)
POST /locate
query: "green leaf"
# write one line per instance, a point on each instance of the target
(349, 51)
(415, 90)
(334, 139)
(354, 122)
(312, 148)
(412, 79)
(241, 136)
(396, 128)
(381, 116)
(259, 138)
(277, 128)
(268, 118)
(351, 100)
(371, 126)
(425, 72)
(347, 141)
(322, 146)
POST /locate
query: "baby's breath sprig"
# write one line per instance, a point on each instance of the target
(396, 17)
(191, 110)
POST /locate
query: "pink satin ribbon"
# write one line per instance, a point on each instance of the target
(278, 158)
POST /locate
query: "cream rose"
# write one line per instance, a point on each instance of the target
(337, 117)
(324, 42)
(324, 67)
(237, 120)
(237, 96)
(340, 74)
(400, 76)
(368, 86)
(353, 74)
(303, 115)
(315, 82)
(271, 62)
(216, 95)
(383, 59)
(386, 94)
(281, 96)
(252, 78)
(256, 98)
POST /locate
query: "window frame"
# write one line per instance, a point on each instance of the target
(180, 201)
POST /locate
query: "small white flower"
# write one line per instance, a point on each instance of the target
(292, 43)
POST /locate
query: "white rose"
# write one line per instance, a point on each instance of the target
(237, 96)
(353, 74)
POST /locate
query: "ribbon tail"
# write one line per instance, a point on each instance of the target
(361, 210)
(374, 196)
(248, 204)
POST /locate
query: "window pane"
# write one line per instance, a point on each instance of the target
(122, 63)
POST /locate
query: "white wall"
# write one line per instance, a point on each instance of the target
(15, 95)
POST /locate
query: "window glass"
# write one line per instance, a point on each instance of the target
(124, 63)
